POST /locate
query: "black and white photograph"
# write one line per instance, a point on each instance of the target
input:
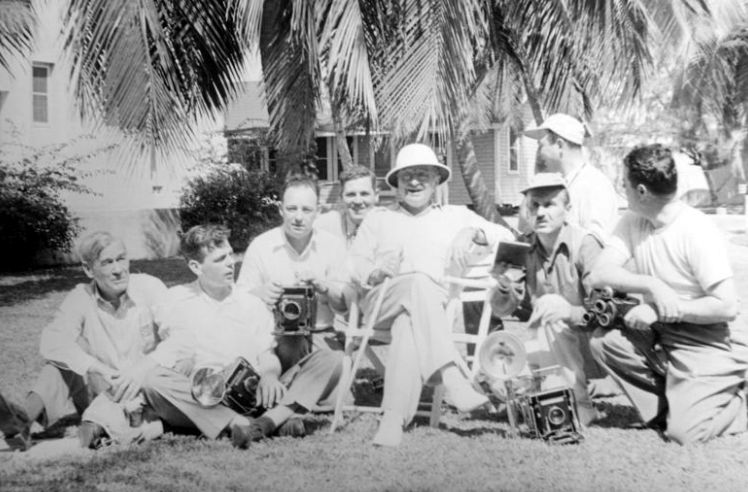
(374, 245)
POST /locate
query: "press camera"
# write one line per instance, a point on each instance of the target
(296, 311)
(606, 308)
(539, 404)
(235, 387)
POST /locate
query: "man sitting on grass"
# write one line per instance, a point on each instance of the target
(209, 323)
(676, 358)
(95, 343)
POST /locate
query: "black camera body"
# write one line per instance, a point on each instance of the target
(606, 308)
(234, 386)
(296, 311)
(241, 388)
(551, 415)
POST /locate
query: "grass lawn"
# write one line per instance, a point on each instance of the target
(463, 454)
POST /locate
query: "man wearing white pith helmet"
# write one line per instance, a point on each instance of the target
(594, 204)
(414, 242)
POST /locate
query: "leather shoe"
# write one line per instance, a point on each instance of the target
(91, 435)
(14, 423)
(242, 435)
(293, 427)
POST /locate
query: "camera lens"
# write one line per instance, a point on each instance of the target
(291, 310)
(556, 415)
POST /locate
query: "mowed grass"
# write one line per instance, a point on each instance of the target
(465, 453)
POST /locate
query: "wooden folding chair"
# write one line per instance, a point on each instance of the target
(475, 285)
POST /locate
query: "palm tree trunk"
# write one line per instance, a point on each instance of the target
(532, 97)
(340, 140)
(481, 196)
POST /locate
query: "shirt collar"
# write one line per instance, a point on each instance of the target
(124, 298)
(399, 208)
(562, 244)
(286, 244)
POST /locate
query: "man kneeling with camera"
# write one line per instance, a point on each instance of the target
(209, 325)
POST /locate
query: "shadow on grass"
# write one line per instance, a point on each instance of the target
(21, 287)
(617, 415)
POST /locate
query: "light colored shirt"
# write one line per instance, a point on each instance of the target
(689, 254)
(563, 271)
(338, 224)
(87, 328)
(194, 325)
(271, 258)
(424, 241)
(594, 202)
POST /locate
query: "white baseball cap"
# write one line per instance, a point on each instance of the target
(417, 155)
(563, 125)
(545, 180)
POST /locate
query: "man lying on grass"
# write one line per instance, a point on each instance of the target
(95, 342)
(209, 323)
(693, 386)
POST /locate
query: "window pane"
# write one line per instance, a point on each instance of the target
(40, 79)
(40, 108)
(321, 157)
(513, 150)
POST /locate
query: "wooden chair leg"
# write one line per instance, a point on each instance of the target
(436, 405)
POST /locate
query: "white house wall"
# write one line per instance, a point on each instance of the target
(127, 193)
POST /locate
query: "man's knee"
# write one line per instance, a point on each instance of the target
(684, 433)
(423, 285)
(600, 344)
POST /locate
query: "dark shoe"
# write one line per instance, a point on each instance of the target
(14, 423)
(293, 427)
(91, 435)
(242, 435)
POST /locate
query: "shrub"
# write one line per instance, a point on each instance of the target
(33, 217)
(244, 201)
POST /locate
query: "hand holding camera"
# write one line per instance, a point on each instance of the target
(269, 293)
(269, 390)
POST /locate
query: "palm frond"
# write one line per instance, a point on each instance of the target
(152, 67)
(345, 58)
(290, 64)
(17, 26)
(424, 69)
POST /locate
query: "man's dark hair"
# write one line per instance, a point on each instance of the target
(200, 240)
(654, 167)
(295, 179)
(356, 172)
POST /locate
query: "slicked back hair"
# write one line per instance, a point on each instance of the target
(196, 243)
(91, 245)
(296, 179)
(357, 172)
(653, 166)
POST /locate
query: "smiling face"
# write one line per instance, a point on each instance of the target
(110, 271)
(298, 210)
(359, 197)
(547, 208)
(216, 271)
(416, 187)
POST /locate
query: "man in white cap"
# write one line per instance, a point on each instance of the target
(556, 283)
(414, 242)
(594, 204)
